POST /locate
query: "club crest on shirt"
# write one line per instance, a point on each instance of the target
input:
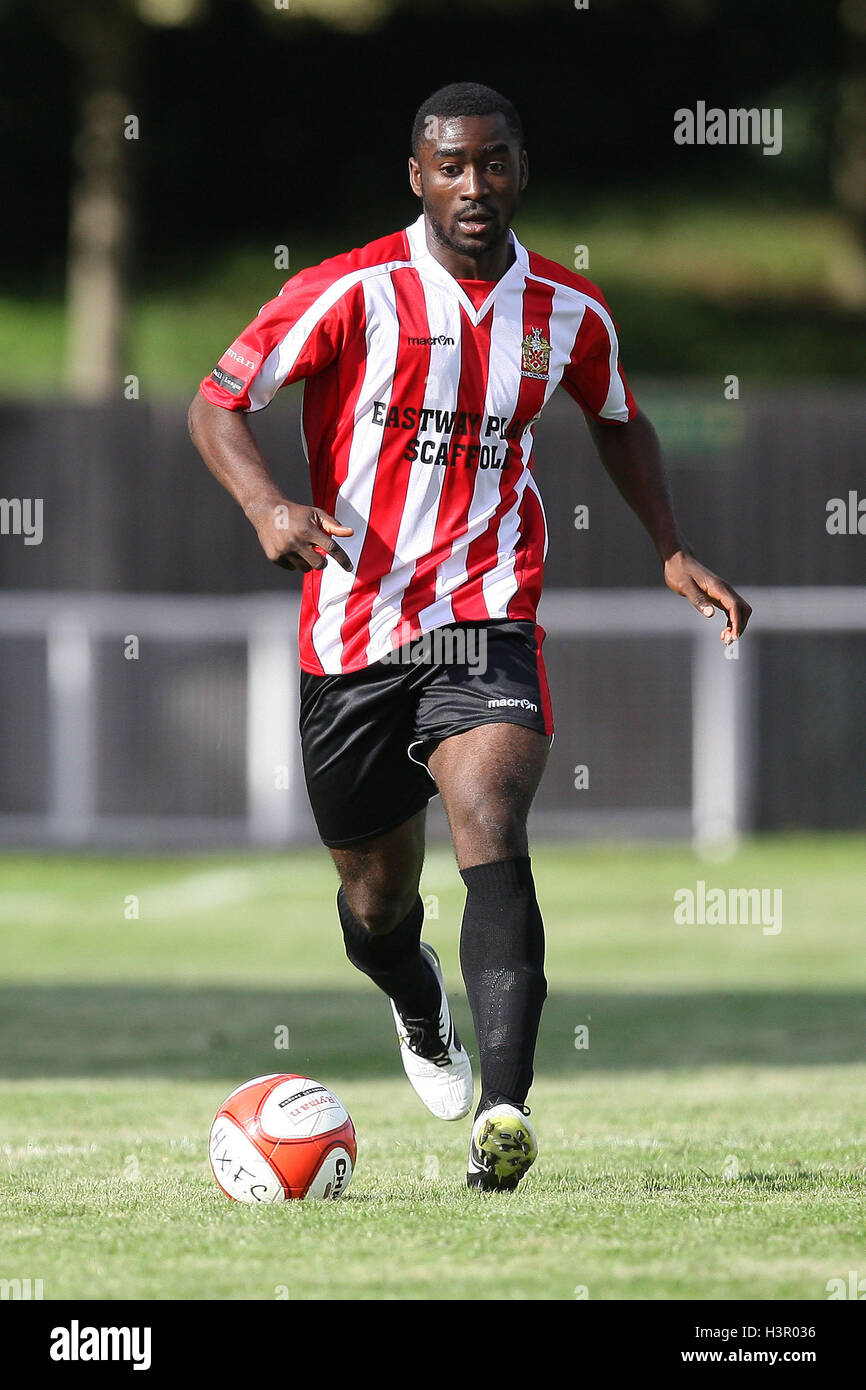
(535, 359)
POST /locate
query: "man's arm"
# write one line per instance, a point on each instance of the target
(291, 534)
(632, 456)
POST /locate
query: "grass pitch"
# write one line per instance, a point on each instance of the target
(708, 1141)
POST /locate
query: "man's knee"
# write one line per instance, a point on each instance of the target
(378, 908)
(495, 823)
(380, 877)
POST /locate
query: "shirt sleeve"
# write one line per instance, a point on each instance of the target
(296, 334)
(594, 377)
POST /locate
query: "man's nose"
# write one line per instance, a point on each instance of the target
(474, 184)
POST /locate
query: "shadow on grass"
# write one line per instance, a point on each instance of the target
(195, 1034)
(801, 1179)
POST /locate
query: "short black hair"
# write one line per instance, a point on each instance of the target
(465, 99)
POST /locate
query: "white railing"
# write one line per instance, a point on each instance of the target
(71, 624)
(723, 700)
(723, 703)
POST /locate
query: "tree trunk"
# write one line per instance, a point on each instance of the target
(100, 217)
(849, 172)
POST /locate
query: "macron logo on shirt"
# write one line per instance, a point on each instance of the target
(442, 341)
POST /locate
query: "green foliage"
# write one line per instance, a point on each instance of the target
(699, 287)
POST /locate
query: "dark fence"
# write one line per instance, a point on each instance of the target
(129, 505)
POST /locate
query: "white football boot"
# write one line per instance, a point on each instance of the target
(434, 1059)
(503, 1146)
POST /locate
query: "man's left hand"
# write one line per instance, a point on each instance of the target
(688, 577)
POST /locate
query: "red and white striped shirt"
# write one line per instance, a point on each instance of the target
(418, 428)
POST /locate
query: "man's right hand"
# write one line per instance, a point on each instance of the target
(294, 536)
(298, 537)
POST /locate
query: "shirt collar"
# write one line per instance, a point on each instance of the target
(416, 234)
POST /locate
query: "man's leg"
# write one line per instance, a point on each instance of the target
(369, 800)
(487, 778)
(381, 914)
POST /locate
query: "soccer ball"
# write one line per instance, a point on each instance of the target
(282, 1137)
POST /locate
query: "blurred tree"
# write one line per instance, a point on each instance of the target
(306, 72)
(103, 37)
(850, 164)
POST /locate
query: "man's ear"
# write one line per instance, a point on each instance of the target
(524, 169)
(415, 176)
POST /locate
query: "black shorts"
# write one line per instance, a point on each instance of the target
(364, 735)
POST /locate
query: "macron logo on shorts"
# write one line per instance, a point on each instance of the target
(512, 704)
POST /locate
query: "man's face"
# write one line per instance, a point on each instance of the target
(469, 173)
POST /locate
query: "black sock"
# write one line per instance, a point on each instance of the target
(502, 959)
(393, 960)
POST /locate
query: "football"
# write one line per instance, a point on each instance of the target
(281, 1138)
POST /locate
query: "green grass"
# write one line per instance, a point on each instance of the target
(709, 1143)
(699, 286)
